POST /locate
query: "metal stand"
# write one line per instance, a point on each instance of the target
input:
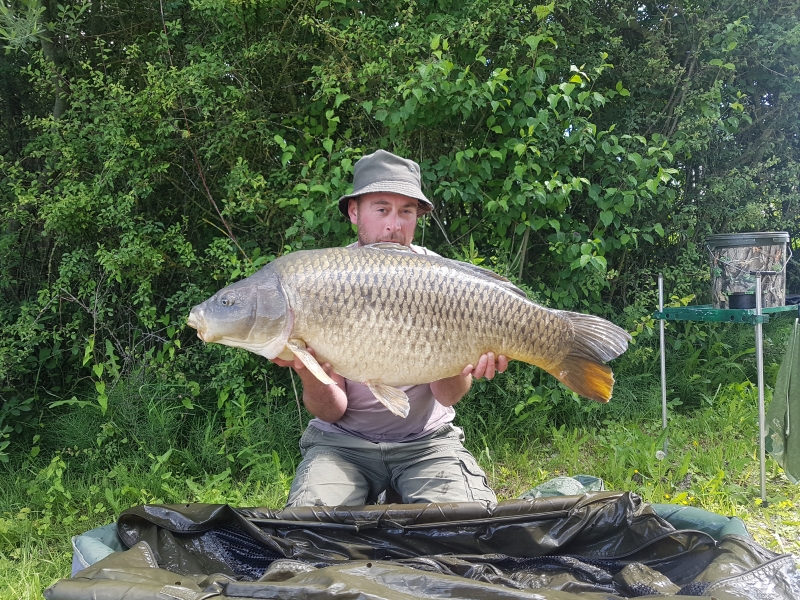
(757, 317)
(663, 360)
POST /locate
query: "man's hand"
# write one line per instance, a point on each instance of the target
(487, 366)
(451, 390)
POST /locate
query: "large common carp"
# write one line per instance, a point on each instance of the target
(387, 317)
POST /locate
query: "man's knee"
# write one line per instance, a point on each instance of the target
(454, 477)
(326, 479)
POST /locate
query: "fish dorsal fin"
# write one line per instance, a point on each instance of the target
(388, 246)
(492, 276)
(473, 269)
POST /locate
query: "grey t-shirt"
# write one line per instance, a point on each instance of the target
(368, 419)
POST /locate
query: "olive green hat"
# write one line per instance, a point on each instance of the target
(383, 171)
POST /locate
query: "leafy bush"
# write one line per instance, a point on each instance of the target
(579, 148)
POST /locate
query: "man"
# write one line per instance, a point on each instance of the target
(354, 448)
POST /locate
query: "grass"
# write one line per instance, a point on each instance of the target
(524, 431)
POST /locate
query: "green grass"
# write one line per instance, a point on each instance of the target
(85, 467)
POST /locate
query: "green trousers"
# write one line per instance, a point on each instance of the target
(342, 470)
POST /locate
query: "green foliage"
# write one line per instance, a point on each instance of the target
(148, 158)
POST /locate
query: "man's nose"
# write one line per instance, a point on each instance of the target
(394, 223)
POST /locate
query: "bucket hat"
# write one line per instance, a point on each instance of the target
(383, 171)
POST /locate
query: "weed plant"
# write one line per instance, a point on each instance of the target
(166, 442)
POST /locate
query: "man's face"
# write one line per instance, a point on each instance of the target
(384, 217)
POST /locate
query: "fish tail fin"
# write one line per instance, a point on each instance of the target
(587, 377)
(596, 342)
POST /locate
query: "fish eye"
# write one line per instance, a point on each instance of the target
(227, 300)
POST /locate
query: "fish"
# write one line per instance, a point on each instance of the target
(388, 317)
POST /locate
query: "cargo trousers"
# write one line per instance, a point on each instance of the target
(342, 470)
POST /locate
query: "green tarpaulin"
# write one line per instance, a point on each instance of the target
(595, 546)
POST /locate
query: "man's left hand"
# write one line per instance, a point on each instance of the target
(487, 366)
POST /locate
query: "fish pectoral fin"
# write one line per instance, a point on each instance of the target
(286, 354)
(392, 398)
(298, 348)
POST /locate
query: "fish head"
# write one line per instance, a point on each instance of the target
(253, 314)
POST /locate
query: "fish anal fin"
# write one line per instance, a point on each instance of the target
(585, 376)
(391, 397)
(298, 348)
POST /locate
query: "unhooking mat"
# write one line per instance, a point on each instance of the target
(599, 545)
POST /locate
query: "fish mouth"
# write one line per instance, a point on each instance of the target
(196, 321)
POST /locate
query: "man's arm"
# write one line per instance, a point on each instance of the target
(326, 402)
(451, 390)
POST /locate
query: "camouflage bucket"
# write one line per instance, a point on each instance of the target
(735, 257)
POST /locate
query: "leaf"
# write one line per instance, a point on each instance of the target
(88, 350)
(544, 10)
(600, 262)
(533, 41)
(435, 41)
(607, 217)
(367, 105)
(658, 229)
(328, 145)
(339, 99)
(98, 370)
(635, 158)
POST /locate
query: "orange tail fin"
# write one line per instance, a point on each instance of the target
(585, 376)
(596, 341)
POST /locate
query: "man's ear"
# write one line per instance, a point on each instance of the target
(352, 210)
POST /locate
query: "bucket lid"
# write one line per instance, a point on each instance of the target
(757, 238)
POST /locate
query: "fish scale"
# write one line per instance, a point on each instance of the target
(388, 317)
(408, 304)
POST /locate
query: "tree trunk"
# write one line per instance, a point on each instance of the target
(51, 54)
